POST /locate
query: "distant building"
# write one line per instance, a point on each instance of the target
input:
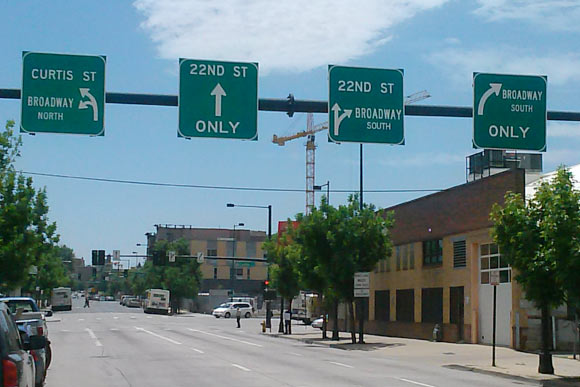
(242, 277)
(440, 269)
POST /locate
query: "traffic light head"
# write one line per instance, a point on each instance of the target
(266, 282)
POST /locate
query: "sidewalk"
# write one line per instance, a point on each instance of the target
(468, 357)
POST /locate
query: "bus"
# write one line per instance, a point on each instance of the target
(156, 301)
(61, 299)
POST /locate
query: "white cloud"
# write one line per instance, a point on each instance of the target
(296, 35)
(553, 158)
(564, 130)
(560, 15)
(561, 68)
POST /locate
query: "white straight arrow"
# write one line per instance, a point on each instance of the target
(494, 89)
(218, 92)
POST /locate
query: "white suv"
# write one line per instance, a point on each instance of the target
(229, 309)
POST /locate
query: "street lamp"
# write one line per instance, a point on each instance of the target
(232, 271)
(269, 207)
(319, 188)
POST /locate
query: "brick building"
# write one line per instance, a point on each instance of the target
(439, 272)
(243, 277)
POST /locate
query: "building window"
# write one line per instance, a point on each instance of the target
(411, 256)
(251, 249)
(459, 254)
(215, 273)
(398, 254)
(489, 260)
(239, 273)
(404, 258)
(406, 305)
(248, 273)
(382, 305)
(433, 252)
(211, 253)
(432, 305)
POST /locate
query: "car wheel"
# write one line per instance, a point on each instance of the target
(248, 315)
(227, 315)
(217, 316)
(48, 355)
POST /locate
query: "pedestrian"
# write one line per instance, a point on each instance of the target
(87, 302)
(238, 316)
(287, 322)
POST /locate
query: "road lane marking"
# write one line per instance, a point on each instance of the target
(64, 330)
(94, 337)
(98, 319)
(341, 364)
(413, 382)
(116, 317)
(149, 317)
(197, 350)
(225, 337)
(81, 319)
(241, 367)
(294, 353)
(114, 329)
(159, 336)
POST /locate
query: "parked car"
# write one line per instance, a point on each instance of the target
(31, 320)
(16, 363)
(133, 303)
(229, 309)
(109, 298)
(317, 323)
(124, 298)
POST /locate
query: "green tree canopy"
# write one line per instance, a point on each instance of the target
(539, 238)
(26, 235)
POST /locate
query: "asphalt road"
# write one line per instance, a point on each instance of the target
(110, 345)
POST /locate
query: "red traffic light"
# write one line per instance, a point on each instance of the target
(266, 282)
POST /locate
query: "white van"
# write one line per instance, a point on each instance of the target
(156, 301)
(61, 299)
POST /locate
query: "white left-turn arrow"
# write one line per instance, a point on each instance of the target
(92, 102)
(218, 92)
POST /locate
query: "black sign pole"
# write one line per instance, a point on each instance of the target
(494, 319)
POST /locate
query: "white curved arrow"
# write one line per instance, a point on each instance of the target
(338, 118)
(494, 89)
(92, 102)
(218, 92)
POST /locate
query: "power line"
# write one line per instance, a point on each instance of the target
(216, 187)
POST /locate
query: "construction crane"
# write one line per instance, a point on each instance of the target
(310, 132)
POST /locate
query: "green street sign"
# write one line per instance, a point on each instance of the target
(218, 99)
(365, 105)
(63, 94)
(509, 112)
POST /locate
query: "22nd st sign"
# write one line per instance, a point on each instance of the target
(509, 112)
(218, 99)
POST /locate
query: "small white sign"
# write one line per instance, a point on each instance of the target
(494, 277)
(200, 257)
(171, 255)
(362, 280)
(116, 255)
(362, 293)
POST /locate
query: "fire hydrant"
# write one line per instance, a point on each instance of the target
(263, 324)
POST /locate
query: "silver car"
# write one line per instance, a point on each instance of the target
(229, 309)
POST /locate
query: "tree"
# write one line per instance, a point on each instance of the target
(25, 232)
(181, 278)
(282, 256)
(340, 242)
(540, 240)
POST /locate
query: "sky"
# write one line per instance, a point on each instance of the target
(438, 43)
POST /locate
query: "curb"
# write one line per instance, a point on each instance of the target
(560, 382)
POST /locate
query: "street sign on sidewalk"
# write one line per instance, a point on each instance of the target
(509, 112)
(361, 293)
(365, 105)
(171, 255)
(63, 94)
(362, 280)
(494, 277)
(218, 99)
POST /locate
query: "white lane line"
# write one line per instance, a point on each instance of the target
(197, 350)
(132, 317)
(413, 382)
(98, 319)
(64, 330)
(114, 329)
(94, 337)
(159, 336)
(294, 353)
(116, 317)
(149, 317)
(341, 364)
(81, 319)
(241, 367)
(225, 337)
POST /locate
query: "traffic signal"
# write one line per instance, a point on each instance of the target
(158, 259)
(126, 273)
(95, 255)
(94, 271)
(102, 257)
